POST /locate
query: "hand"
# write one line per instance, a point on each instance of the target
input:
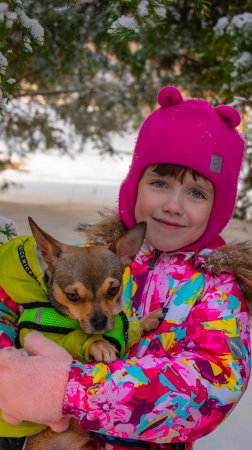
(37, 376)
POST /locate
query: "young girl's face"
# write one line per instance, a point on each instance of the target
(176, 212)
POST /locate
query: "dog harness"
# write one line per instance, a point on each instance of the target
(43, 317)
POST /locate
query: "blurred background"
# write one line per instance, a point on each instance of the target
(76, 80)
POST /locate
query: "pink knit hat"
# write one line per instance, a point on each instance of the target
(194, 134)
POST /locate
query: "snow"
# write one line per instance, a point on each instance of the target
(3, 63)
(160, 11)
(11, 80)
(143, 8)
(124, 22)
(33, 25)
(221, 26)
(244, 60)
(241, 22)
(8, 17)
(53, 178)
(7, 230)
(144, 12)
(239, 27)
(3, 9)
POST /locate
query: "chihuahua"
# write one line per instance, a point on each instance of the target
(85, 284)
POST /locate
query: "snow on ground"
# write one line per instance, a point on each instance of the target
(53, 178)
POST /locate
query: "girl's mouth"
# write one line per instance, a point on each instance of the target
(168, 224)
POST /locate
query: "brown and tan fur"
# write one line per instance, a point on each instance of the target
(85, 283)
(74, 438)
(234, 258)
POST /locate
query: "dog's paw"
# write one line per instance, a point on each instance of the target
(103, 351)
(153, 320)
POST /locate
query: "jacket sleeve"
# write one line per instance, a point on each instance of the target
(9, 315)
(76, 342)
(180, 392)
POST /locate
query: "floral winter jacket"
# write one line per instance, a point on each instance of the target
(182, 379)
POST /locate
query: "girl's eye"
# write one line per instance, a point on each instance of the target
(73, 297)
(159, 183)
(198, 194)
(113, 290)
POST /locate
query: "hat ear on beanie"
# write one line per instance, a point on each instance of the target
(169, 96)
(229, 115)
(194, 134)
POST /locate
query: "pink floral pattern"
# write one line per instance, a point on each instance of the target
(110, 405)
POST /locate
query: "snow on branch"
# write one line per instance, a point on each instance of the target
(240, 22)
(238, 29)
(145, 13)
(12, 17)
(126, 22)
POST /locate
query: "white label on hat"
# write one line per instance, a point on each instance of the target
(216, 163)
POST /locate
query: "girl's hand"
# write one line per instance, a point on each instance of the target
(33, 382)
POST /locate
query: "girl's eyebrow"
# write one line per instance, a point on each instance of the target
(153, 175)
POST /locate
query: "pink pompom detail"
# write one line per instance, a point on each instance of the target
(229, 114)
(169, 96)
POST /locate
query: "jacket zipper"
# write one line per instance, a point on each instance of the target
(151, 267)
(154, 261)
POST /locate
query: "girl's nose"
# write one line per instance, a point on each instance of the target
(173, 204)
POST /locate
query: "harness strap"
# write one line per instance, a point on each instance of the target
(43, 317)
(118, 336)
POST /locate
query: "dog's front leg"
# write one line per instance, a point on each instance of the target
(103, 351)
(152, 320)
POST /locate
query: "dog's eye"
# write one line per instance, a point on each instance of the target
(113, 290)
(73, 297)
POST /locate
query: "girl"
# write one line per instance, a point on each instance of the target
(181, 380)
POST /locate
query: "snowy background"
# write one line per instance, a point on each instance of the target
(88, 178)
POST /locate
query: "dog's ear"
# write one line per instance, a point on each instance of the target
(50, 248)
(127, 246)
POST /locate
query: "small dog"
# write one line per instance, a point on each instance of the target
(85, 284)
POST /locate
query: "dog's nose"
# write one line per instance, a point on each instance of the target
(99, 322)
